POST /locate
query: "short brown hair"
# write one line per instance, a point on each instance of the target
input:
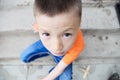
(53, 7)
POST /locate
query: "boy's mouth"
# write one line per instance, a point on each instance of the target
(59, 53)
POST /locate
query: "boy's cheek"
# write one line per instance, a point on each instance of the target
(46, 43)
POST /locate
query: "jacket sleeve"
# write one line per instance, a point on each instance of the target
(75, 50)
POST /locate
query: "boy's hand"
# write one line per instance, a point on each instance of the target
(56, 71)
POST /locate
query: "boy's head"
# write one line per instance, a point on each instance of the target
(58, 22)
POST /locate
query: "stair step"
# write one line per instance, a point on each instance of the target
(22, 18)
(23, 3)
(100, 46)
(99, 3)
(33, 72)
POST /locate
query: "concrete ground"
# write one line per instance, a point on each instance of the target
(101, 32)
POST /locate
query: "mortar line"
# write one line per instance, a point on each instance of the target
(27, 72)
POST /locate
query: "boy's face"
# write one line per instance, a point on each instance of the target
(59, 32)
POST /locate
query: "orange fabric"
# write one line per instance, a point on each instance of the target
(75, 50)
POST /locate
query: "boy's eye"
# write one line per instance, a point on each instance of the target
(46, 34)
(67, 35)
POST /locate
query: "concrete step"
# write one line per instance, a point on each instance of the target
(23, 3)
(16, 15)
(101, 46)
(22, 18)
(37, 72)
(99, 3)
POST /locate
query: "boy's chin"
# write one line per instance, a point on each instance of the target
(58, 54)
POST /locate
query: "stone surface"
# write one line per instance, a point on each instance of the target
(13, 72)
(99, 18)
(88, 3)
(105, 43)
(38, 72)
(101, 71)
(99, 3)
(102, 43)
(21, 18)
(101, 46)
(97, 71)
(13, 43)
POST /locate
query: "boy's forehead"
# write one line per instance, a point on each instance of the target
(58, 20)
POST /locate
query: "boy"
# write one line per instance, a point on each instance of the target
(57, 22)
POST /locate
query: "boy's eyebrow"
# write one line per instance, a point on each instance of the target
(44, 29)
(68, 29)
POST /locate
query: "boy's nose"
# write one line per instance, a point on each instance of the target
(58, 46)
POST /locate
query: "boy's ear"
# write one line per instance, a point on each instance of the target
(36, 27)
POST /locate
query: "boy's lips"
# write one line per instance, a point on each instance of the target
(59, 52)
